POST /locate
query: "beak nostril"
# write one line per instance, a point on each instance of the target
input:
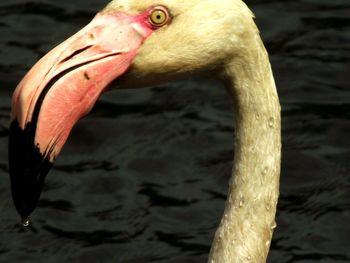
(77, 52)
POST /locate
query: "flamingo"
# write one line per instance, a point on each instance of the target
(143, 43)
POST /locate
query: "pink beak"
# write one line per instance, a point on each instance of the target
(62, 88)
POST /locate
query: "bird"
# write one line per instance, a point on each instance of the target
(135, 44)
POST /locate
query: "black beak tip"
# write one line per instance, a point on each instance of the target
(28, 169)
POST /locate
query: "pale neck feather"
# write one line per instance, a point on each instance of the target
(246, 228)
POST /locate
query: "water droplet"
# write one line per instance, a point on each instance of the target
(241, 202)
(220, 235)
(274, 225)
(271, 122)
(249, 258)
(265, 171)
(267, 243)
(268, 207)
(25, 222)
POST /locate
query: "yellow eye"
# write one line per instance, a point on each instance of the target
(158, 17)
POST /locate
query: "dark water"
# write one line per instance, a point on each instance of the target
(144, 178)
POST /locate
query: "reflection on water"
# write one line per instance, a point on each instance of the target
(144, 178)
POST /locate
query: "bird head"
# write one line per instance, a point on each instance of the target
(132, 43)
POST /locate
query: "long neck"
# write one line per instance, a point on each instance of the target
(245, 231)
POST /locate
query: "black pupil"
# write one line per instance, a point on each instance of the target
(159, 17)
